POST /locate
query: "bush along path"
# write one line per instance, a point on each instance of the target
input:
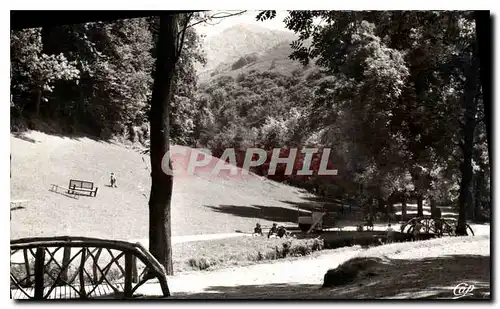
(210, 254)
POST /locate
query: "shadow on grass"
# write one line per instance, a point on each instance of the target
(329, 203)
(267, 291)
(310, 203)
(72, 196)
(20, 135)
(270, 213)
(430, 278)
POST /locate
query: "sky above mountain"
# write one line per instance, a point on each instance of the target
(247, 18)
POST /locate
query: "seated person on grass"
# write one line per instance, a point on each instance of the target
(282, 232)
(273, 231)
(257, 231)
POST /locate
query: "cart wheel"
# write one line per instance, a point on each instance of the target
(470, 231)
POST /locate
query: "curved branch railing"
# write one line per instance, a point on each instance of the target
(50, 282)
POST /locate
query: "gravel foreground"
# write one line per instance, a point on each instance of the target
(426, 269)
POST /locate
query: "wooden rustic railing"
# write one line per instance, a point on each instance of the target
(42, 274)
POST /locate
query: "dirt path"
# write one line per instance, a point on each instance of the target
(420, 268)
(219, 283)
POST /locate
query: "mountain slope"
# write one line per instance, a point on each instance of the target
(237, 41)
(201, 203)
(275, 59)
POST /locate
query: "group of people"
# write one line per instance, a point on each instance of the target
(274, 232)
(416, 228)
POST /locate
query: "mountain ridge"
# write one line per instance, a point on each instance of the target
(237, 41)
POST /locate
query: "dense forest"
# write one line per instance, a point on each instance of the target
(395, 95)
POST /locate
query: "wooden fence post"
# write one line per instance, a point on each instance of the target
(128, 275)
(65, 263)
(81, 278)
(27, 266)
(94, 266)
(134, 269)
(39, 272)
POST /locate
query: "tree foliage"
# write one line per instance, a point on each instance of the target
(395, 95)
(96, 78)
(33, 72)
(405, 85)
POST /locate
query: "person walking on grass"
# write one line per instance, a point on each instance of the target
(113, 180)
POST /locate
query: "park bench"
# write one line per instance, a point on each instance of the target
(82, 268)
(82, 186)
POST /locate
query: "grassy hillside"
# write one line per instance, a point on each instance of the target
(201, 203)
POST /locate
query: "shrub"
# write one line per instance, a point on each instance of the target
(350, 270)
(301, 250)
(209, 254)
(243, 61)
(317, 245)
(201, 264)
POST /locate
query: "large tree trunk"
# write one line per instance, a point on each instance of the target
(381, 205)
(464, 191)
(484, 39)
(403, 206)
(468, 144)
(161, 184)
(390, 204)
(420, 205)
(38, 101)
(434, 213)
(471, 199)
(370, 206)
(477, 196)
